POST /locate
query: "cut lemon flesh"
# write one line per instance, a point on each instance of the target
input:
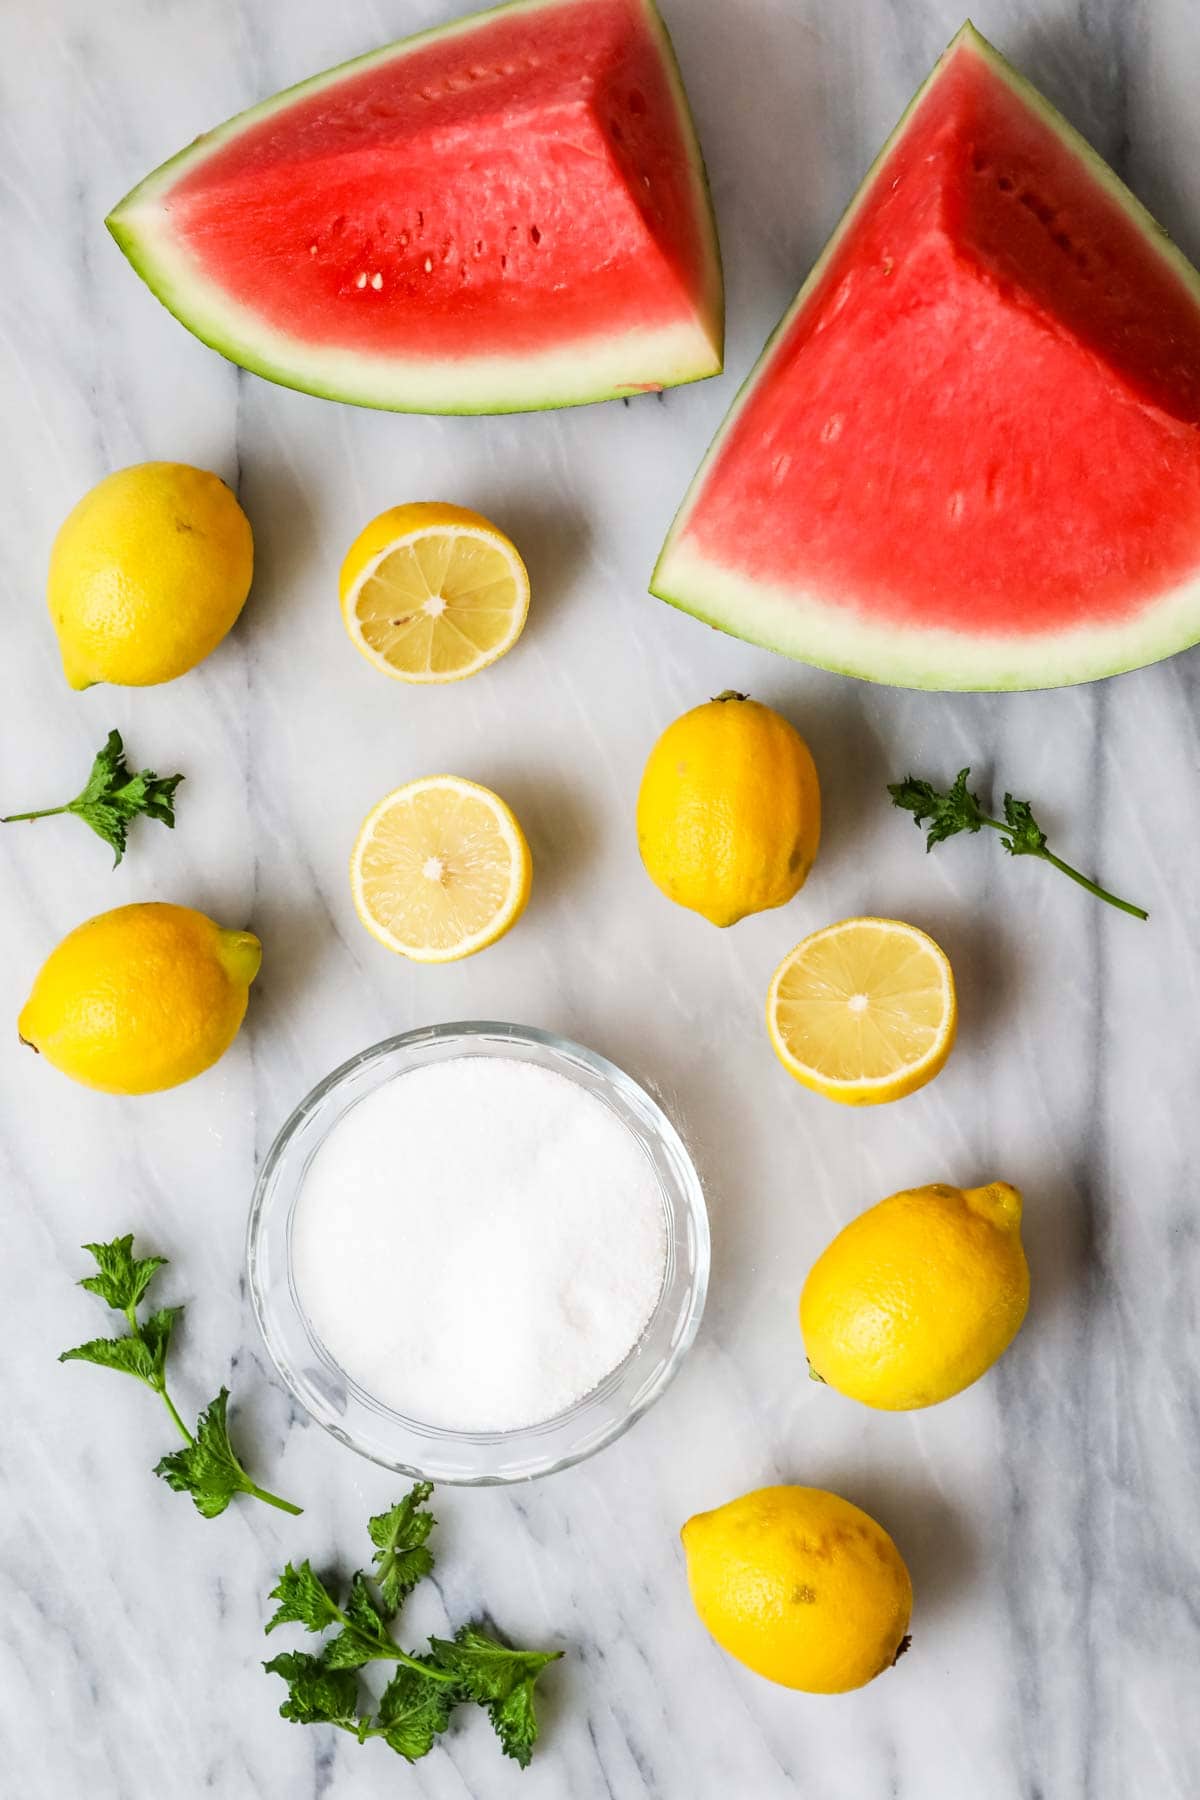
(433, 592)
(441, 869)
(864, 1011)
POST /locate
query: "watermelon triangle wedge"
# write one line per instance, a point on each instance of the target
(970, 455)
(504, 214)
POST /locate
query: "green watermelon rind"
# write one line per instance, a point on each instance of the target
(890, 653)
(673, 357)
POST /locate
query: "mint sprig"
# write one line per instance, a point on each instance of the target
(946, 813)
(207, 1467)
(420, 1699)
(113, 797)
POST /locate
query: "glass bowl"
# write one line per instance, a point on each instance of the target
(475, 1458)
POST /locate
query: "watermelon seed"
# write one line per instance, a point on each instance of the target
(429, 265)
(312, 249)
(377, 281)
(360, 280)
(956, 506)
(535, 234)
(831, 430)
(1005, 184)
(1038, 208)
(637, 103)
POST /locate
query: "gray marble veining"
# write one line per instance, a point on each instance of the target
(1050, 1514)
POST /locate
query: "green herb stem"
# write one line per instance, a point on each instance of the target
(1093, 887)
(1064, 868)
(286, 1506)
(47, 812)
(171, 1408)
(386, 1648)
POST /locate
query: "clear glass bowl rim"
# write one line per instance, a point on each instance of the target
(471, 1458)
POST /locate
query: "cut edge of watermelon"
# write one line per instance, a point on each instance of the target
(579, 373)
(809, 629)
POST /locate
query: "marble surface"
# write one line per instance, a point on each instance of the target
(1050, 1514)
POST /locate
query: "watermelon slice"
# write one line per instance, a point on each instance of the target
(505, 214)
(970, 456)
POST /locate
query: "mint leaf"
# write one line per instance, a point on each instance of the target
(500, 1679)
(413, 1711)
(946, 814)
(123, 1277)
(399, 1535)
(1024, 837)
(366, 1636)
(207, 1469)
(127, 1354)
(112, 797)
(316, 1695)
(303, 1600)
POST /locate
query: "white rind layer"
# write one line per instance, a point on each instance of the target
(600, 366)
(834, 634)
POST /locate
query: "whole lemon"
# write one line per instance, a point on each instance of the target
(729, 813)
(801, 1586)
(147, 574)
(918, 1296)
(141, 998)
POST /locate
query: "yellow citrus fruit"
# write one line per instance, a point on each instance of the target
(141, 998)
(801, 1586)
(441, 869)
(729, 813)
(919, 1296)
(147, 574)
(432, 592)
(864, 1011)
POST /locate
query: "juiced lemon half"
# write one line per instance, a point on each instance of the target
(441, 869)
(432, 592)
(864, 1011)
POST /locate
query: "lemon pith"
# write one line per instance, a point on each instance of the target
(432, 593)
(916, 1298)
(148, 573)
(729, 810)
(864, 1011)
(801, 1586)
(440, 870)
(140, 998)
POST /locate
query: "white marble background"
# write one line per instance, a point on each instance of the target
(1050, 1516)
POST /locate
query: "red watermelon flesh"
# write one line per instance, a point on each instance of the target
(480, 214)
(971, 455)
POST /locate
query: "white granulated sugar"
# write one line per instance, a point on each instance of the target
(479, 1243)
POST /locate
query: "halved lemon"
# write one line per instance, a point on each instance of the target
(441, 869)
(864, 1011)
(432, 592)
